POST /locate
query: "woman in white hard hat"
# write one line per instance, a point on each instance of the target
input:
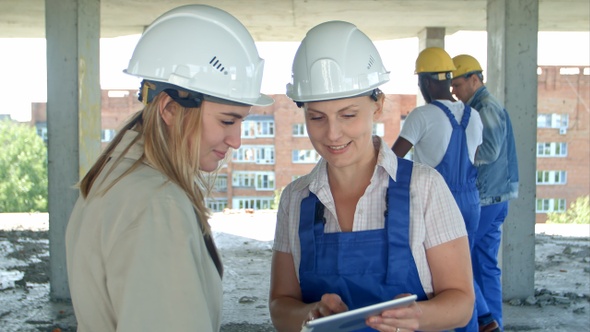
(364, 226)
(140, 255)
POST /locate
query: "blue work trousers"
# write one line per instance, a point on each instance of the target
(486, 271)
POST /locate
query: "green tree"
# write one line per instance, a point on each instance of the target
(23, 169)
(578, 213)
(276, 199)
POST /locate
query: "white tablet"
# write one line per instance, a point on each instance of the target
(354, 319)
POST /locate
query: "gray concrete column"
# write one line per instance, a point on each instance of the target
(429, 37)
(512, 77)
(73, 117)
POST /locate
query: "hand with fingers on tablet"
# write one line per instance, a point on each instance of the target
(355, 319)
(330, 304)
(400, 319)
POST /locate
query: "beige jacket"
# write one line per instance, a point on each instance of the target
(136, 257)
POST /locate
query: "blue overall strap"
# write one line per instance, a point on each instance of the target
(455, 167)
(310, 206)
(464, 119)
(398, 193)
(466, 116)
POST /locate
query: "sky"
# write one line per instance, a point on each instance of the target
(23, 74)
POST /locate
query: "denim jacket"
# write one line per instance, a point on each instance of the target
(496, 161)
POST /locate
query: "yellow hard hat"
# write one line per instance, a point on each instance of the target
(434, 60)
(465, 64)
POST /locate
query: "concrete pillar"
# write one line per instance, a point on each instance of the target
(512, 77)
(73, 117)
(429, 37)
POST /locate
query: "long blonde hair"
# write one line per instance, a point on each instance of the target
(165, 150)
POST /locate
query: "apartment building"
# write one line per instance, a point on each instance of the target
(563, 149)
(116, 107)
(275, 149)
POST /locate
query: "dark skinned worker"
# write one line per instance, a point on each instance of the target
(445, 134)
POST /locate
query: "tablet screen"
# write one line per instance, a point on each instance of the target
(354, 319)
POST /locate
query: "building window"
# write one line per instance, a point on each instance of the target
(243, 179)
(256, 203)
(553, 120)
(545, 205)
(42, 131)
(379, 129)
(217, 204)
(258, 128)
(257, 180)
(265, 181)
(107, 135)
(265, 155)
(118, 93)
(551, 177)
(553, 149)
(245, 154)
(305, 156)
(299, 130)
(569, 71)
(259, 154)
(220, 183)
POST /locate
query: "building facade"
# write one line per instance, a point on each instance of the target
(275, 148)
(563, 149)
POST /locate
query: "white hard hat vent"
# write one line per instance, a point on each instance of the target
(217, 65)
(371, 61)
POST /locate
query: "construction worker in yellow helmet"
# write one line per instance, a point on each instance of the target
(497, 182)
(445, 134)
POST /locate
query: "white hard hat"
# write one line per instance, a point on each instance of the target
(335, 60)
(203, 49)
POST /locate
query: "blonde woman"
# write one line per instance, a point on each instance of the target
(140, 255)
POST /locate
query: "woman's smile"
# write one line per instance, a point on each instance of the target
(338, 148)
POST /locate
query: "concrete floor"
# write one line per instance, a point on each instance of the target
(562, 280)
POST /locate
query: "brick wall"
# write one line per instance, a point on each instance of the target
(117, 106)
(286, 114)
(565, 94)
(558, 93)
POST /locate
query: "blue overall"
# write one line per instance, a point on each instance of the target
(460, 175)
(364, 267)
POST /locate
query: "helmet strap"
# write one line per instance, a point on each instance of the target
(223, 101)
(149, 89)
(477, 73)
(193, 100)
(440, 76)
(374, 94)
(144, 95)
